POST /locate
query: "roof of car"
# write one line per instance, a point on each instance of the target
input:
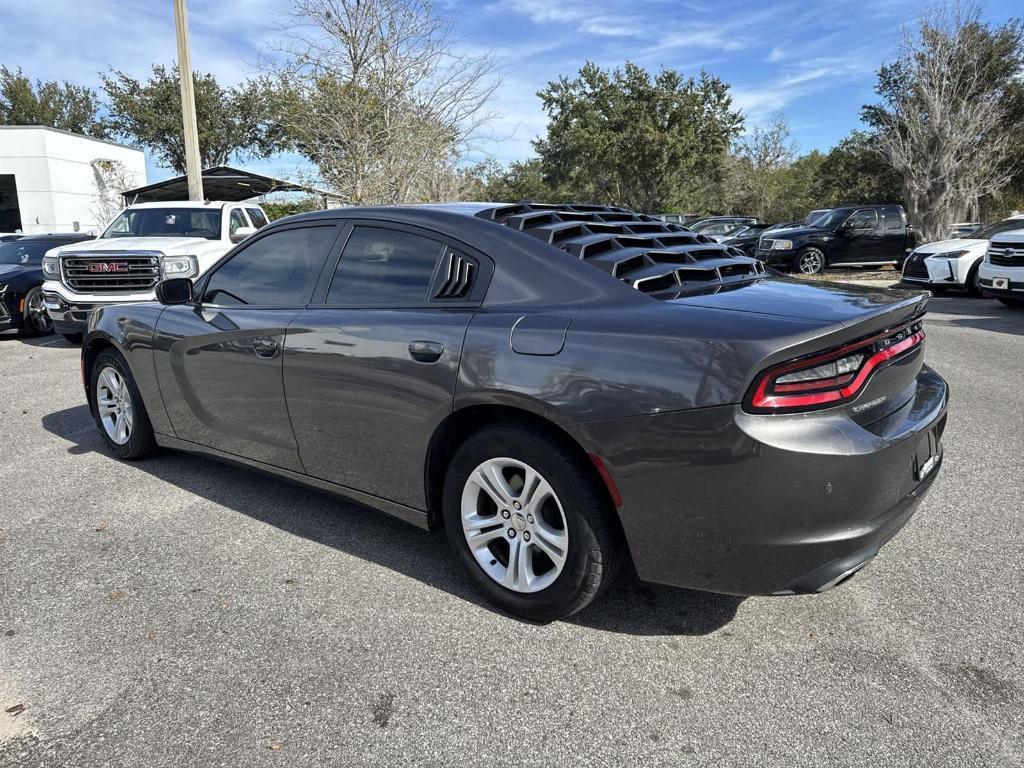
(69, 236)
(185, 204)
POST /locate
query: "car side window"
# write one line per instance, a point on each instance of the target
(384, 267)
(866, 219)
(893, 218)
(279, 269)
(237, 221)
(256, 217)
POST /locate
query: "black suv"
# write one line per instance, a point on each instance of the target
(861, 235)
(21, 280)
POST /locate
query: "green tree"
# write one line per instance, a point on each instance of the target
(232, 122)
(624, 137)
(520, 180)
(54, 104)
(856, 171)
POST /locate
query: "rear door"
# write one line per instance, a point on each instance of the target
(370, 372)
(219, 361)
(895, 226)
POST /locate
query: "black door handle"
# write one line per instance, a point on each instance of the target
(264, 346)
(426, 351)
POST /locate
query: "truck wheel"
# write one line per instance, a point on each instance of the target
(532, 525)
(810, 261)
(72, 338)
(118, 409)
(34, 320)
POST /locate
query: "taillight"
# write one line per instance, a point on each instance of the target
(830, 378)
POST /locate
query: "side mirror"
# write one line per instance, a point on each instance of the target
(241, 233)
(177, 290)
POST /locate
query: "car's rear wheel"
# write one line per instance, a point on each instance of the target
(118, 409)
(810, 261)
(34, 320)
(529, 522)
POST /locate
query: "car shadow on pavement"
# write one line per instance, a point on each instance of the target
(51, 340)
(981, 314)
(629, 607)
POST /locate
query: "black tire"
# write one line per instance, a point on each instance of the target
(594, 552)
(33, 324)
(801, 257)
(141, 442)
(973, 284)
(1016, 303)
(72, 338)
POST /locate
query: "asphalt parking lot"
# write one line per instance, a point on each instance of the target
(183, 612)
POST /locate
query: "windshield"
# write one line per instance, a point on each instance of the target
(166, 222)
(828, 219)
(811, 219)
(985, 233)
(18, 252)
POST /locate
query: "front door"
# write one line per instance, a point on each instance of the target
(219, 361)
(861, 238)
(371, 373)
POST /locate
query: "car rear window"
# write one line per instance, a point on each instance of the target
(384, 267)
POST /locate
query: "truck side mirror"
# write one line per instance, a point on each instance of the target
(241, 233)
(177, 290)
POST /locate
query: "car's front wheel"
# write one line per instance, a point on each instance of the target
(810, 261)
(118, 409)
(34, 320)
(530, 522)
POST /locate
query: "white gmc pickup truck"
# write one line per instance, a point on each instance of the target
(146, 243)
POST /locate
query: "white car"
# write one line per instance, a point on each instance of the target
(954, 263)
(1002, 271)
(145, 244)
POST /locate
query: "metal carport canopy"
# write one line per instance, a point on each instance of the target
(220, 182)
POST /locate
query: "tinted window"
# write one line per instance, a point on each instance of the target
(279, 269)
(893, 218)
(384, 266)
(256, 217)
(16, 252)
(863, 220)
(1006, 225)
(237, 221)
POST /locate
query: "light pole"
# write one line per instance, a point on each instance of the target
(188, 105)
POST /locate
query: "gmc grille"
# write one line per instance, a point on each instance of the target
(111, 272)
(1006, 254)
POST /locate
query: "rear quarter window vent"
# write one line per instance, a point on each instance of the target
(457, 272)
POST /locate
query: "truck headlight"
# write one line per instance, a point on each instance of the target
(51, 267)
(782, 245)
(179, 266)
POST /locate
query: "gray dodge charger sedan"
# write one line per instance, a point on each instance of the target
(565, 389)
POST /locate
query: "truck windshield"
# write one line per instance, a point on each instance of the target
(166, 222)
(813, 216)
(24, 253)
(985, 233)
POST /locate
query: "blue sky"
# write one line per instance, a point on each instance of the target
(814, 63)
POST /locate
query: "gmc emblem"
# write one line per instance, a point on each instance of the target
(108, 266)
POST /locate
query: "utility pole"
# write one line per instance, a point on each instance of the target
(188, 105)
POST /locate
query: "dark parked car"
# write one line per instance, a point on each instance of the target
(563, 388)
(862, 235)
(21, 278)
(744, 238)
(719, 225)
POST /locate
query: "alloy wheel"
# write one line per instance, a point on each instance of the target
(515, 525)
(811, 262)
(35, 314)
(114, 405)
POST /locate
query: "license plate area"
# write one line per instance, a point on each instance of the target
(1001, 283)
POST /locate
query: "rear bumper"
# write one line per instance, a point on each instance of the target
(725, 501)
